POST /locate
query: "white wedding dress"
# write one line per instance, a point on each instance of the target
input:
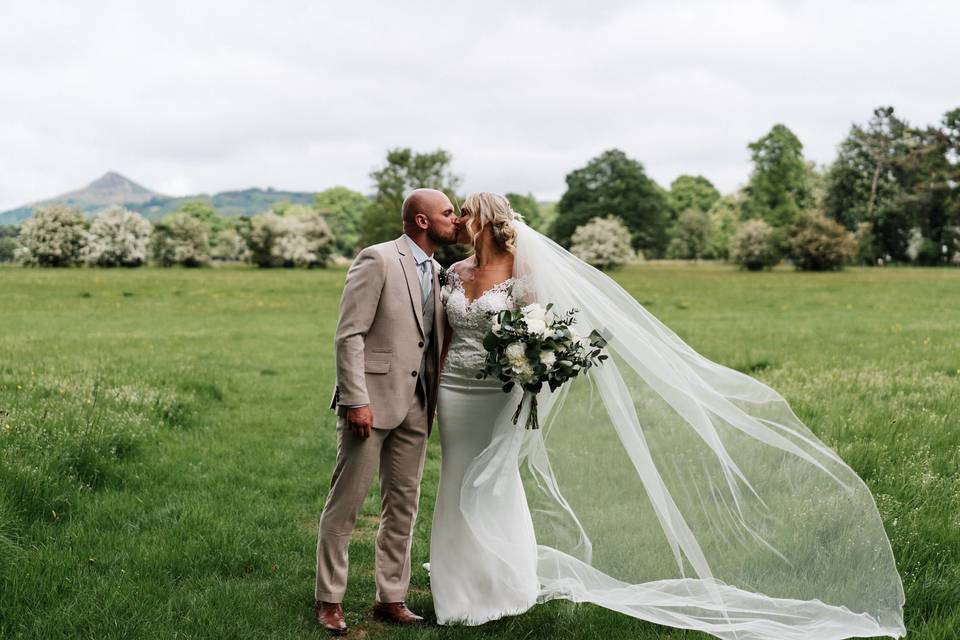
(661, 485)
(470, 585)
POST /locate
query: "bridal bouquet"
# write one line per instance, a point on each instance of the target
(533, 346)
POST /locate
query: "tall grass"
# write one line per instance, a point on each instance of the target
(165, 442)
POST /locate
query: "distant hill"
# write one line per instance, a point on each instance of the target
(113, 188)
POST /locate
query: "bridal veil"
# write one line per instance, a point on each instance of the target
(676, 490)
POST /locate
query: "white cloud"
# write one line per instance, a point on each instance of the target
(199, 97)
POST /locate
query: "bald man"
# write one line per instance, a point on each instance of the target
(388, 358)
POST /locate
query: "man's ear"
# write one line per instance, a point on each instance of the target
(422, 221)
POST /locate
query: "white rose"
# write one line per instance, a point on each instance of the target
(536, 326)
(548, 358)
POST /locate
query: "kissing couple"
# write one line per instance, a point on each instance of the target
(661, 485)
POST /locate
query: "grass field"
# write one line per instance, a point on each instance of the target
(165, 442)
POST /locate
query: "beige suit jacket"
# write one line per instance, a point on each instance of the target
(380, 337)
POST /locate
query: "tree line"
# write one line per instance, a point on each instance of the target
(892, 195)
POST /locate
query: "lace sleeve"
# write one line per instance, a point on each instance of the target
(453, 278)
(453, 281)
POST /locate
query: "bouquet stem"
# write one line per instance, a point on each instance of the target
(533, 421)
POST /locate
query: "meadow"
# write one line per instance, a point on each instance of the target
(166, 442)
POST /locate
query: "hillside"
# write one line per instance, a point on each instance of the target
(114, 188)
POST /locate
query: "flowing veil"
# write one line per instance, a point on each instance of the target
(679, 491)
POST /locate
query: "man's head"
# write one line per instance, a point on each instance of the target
(428, 212)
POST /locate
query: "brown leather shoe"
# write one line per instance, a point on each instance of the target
(395, 613)
(330, 617)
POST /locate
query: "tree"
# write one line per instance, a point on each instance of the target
(866, 244)
(903, 181)
(817, 243)
(689, 236)
(117, 237)
(930, 173)
(205, 213)
(528, 207)
(614, 184)
(52, 236)
(8, 242)
(724, 218)
(230, 245)
(863, 179)
(754, 246)
(8, 248)
(778, 188)
(603, 243)
(343, 210)
(299, 238)
(404, 171)
(691, 193)
(180, 238)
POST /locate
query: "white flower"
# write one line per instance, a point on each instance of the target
(117, 237)
(523, 370)
(495, 327)
(515, 352)
(536, 326)
(548, 358)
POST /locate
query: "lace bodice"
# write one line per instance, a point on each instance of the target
(470, 319)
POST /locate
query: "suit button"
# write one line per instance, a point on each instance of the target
(420, 344)
(413, 373)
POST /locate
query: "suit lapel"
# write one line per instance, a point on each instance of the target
(438, 324)
(409, 266)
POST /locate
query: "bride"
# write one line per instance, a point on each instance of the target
(661, 484)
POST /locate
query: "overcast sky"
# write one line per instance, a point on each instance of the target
(189, 97)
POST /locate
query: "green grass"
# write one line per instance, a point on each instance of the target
(165, 442)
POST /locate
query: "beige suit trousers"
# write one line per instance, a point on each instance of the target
(399, 454)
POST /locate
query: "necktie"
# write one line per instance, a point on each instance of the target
(426, 280)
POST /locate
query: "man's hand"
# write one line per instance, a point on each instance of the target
(360, 420)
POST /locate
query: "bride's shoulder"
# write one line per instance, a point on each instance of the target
(460, 269)
(463, 265)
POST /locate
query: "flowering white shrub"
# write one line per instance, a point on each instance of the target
(301, 240)
(754, 246)
(51, 237)
(117, 238)
(231, 245)
(181, 239)
(603, 243)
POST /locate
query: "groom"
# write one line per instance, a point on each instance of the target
(388, 354)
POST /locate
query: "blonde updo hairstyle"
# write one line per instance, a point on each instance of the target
(495, 210)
